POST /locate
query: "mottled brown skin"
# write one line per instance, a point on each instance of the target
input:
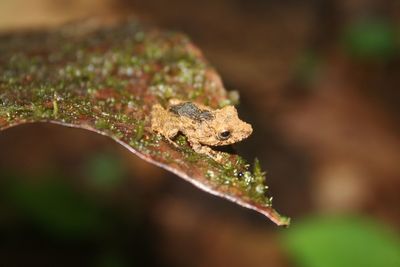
(201, 125)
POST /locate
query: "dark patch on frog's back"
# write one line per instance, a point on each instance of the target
(190, 110)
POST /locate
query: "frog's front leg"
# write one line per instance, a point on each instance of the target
(199, 148)
(171, 134)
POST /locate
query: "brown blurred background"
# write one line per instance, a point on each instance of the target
(319, 81)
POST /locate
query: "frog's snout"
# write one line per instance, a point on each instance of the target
(247, 129)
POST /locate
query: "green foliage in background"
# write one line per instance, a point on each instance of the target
(371, 39)
(69, 212)
(342, 241)
(104, 171)
(54, 206)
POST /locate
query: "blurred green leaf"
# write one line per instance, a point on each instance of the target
(105, 170)
(56, 208)
(371, 39)
(344, 242)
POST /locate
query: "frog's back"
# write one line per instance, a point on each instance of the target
(190, 110)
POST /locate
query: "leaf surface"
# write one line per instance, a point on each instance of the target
(106, 78)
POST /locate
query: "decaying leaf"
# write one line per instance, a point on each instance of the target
(106, 78)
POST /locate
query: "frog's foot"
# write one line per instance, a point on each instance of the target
(205, 150)
(171, 141)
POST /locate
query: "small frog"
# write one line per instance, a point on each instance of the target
(201, 125)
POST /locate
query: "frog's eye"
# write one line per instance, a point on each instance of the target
(224, 135)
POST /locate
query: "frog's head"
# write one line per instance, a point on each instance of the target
(226, 128)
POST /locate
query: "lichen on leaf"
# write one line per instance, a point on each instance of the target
(106, 78)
